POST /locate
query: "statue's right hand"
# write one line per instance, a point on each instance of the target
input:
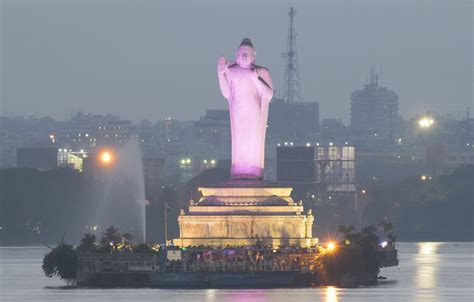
(221, 65)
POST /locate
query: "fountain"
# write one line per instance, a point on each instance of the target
(122, 200)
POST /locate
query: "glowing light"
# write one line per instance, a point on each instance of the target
(330, 144)
(425, 122)
(205, 161)
(183, 161)
(213, 162)
(424, 177)
(331, 294)
(106, 157)
(308, 144)
(383, 244)
(364, 191)
(331, 246)
(188, 160)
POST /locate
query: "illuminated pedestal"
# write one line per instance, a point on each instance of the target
(240, 213)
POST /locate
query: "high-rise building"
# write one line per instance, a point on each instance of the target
(374, 116)
(211, 135)
(297, 122)
(334, 131)
(87, 131)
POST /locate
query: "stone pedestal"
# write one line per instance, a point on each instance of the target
(245, 212)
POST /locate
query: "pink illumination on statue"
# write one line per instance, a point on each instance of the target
(248, 88)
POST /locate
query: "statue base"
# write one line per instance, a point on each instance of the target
(245, 212)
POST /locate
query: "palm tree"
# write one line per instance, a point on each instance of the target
(87, 243)
(387, 226)
(110, 238)
(345, 229)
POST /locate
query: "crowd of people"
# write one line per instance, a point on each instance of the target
(242, 260)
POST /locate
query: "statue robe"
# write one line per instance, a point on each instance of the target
(248, 99)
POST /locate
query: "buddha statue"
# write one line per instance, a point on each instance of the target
(248, 90)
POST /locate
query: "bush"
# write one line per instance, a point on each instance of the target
(61, 261)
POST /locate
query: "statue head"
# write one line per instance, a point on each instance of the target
(245, 55)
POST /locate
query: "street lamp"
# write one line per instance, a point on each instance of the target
(425, 122)
(167, 208)
(331, 246)
(106, 157)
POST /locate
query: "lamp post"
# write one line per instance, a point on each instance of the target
(166, 223)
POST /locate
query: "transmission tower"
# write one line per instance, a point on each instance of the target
(291, 85)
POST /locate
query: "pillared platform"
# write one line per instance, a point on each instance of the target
(245, 212)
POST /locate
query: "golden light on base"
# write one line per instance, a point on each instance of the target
(331, 246)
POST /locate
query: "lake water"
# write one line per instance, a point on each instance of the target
(428, 271)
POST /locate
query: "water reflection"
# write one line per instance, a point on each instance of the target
(210, 295)
(330, 294)
(428, 248)
(427, 268)
(257, 295)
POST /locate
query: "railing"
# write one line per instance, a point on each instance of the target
(280, 263)
(151, 262)
(117, 262)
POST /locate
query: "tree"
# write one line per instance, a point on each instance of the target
(88, 244)
(61, 261)
(355, 258)
(110, 238)
(127, 238)
(346, 230)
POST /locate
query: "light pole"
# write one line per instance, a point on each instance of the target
(166, 223)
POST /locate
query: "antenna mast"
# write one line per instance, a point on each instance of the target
(291, 84)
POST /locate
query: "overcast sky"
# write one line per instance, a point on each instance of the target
(154, 59)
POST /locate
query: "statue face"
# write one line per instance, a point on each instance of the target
(245, 56)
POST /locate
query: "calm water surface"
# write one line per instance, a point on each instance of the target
(428, 271)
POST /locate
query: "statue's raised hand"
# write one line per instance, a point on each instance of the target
(221, 65)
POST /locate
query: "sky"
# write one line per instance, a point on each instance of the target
(157, 59)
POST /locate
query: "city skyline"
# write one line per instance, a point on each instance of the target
(141, 64)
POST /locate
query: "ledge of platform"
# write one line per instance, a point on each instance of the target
(246, 188)
(238, 242)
